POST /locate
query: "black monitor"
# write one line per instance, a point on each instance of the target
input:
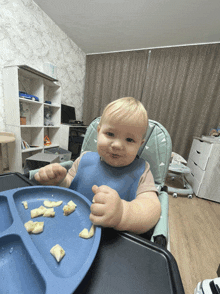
(68, 114)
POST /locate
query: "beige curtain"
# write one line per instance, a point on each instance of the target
(179, 86)
(182, 92)
(112, 76)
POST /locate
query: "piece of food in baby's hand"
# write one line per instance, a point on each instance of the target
(87, 234)
(25, 204)
(34, 227)
(49, 212)
(48, 203)
(58, 252)
(69, 208)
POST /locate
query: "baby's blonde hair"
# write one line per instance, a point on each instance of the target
(124, 110)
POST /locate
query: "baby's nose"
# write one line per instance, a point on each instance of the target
(117, 144)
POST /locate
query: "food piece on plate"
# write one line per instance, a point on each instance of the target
(34, 227)
(38, 211)
(25, 204)
(49, 212)
(69, 208)
(48, 203)
(38, 228)
(29, 226)
(71, 203)
(87, 234)
(58, 252)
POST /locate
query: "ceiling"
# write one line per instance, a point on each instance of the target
(98, 26)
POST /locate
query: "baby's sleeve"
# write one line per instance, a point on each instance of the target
(146, 182)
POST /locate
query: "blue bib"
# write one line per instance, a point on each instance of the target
(93, 171)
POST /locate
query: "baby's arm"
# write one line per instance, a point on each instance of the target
(141, 214)
(137, 216)
(53, 174)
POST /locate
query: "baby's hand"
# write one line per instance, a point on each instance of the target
(51, 174)
(107, 207)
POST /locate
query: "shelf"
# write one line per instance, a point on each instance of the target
(52, 145)
(29, 101)
(52, 105)
(23, 78)
(54, 114)
(31, 70)
(31, 149)
(52, 93)
(32, 110)
(51, 127)
(30, 126)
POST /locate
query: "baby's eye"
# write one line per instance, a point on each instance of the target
(129, 140)
(110, 134)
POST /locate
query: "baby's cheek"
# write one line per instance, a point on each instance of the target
(132, 152)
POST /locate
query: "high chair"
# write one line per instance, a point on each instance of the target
(156, 150)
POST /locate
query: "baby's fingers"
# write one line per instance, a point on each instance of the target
(97, 209)
(95, 189)
(59, 172)
(100, 198)
(97, 220)
(50, 174)
(43, 176)
(40, 175)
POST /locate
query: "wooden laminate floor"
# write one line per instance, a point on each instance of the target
(195, 239)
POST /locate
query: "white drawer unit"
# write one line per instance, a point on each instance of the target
(200, 152)
(196, 175)
(204, 162)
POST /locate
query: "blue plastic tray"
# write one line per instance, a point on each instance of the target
(26, 264)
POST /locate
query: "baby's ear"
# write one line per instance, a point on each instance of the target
(142, 142)
(98, 128)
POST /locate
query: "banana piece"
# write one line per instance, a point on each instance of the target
(25, 204)
(38, 211)
(34, 227)
(48, 203)
(58, 252)
(49, 212)
(69, 208)
(87, 234)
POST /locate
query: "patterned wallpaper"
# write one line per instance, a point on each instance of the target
(28, 36)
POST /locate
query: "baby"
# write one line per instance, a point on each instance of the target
(119, 184)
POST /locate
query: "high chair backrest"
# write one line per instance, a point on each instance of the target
(156, 149)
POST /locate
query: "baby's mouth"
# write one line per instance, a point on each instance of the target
(115, 155)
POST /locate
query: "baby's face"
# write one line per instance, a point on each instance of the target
(118, 143)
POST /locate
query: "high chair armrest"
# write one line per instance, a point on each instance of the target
(161, 228)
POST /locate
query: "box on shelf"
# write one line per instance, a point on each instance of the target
(22, 120)
(39, 160)
(64, 155)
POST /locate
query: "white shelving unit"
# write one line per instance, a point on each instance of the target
(23, 78)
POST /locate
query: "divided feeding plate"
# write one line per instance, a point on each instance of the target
(26, 264)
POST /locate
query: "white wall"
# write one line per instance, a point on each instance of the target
(28, 36)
